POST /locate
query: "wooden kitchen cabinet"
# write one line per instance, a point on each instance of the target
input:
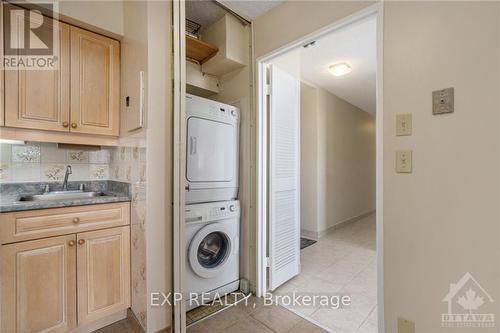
(95, 83)
(103, 273)
(32, 224)
(40, 99)
(81, 97)
(38, 285)
(73, 272)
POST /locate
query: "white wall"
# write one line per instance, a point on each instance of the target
(235, 88)
(337, 161)
(308, 160)
(442, 220)
(294, 19)
(106, 15)
(346, 161)
(159, 158)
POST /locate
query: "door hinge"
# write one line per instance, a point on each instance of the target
(267, 89)
(267, 262)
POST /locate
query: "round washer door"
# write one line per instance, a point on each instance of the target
(210, 250)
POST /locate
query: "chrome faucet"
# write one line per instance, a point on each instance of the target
(66, 175)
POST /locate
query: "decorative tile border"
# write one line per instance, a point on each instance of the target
(37, 161)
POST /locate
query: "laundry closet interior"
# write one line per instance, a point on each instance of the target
(218, 99)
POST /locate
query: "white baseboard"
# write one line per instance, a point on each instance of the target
(345, 222)
(309, 234)
(317, 235)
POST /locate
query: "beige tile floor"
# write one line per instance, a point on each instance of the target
(342, 262)
(254, 317)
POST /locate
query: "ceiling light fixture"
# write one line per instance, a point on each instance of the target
(339, 69)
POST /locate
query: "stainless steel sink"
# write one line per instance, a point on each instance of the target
(61, 195)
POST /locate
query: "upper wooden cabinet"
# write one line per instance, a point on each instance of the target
(81, 96)
(95, 83)
(39, 99)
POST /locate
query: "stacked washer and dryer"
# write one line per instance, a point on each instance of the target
(212, 209)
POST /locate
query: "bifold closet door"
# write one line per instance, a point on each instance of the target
(284, 177)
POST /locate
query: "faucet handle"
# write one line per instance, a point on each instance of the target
(46, 188)
(81, 187)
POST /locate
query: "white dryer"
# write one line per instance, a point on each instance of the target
(212, 250)
(212, 156)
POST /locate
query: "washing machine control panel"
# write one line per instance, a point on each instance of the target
(225, 209)
(212, 211)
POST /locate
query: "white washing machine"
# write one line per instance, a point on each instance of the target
(212, 249)
(212, 155)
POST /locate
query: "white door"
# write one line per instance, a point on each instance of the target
(210, 151)
(284, 177)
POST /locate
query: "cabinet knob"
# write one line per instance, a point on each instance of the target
(74, 125)
(76, 219)
(71, 243)
(65, 124)
(81, 241)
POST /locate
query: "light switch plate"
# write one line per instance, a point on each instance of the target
(403, 124)
(405, 326)
(443, 101)
(404, 161)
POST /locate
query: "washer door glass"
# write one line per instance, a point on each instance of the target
(210, 250)
(213, 249)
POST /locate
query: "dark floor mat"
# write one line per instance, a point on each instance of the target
(305, 242)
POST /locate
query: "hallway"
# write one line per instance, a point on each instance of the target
(343, 262)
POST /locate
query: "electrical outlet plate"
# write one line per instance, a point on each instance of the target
(403, 124)
(404, 161)
(443, 101)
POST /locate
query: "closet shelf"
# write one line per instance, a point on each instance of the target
(199, 50)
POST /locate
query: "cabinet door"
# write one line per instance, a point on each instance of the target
(95, 83)
(103, 273)
(39, 99)
(2, 91)
(38, 285)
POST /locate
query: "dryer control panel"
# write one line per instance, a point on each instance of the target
(203, 107)
(212, 211)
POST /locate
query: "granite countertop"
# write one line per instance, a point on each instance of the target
(11, 192)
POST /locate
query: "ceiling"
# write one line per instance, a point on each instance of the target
(250, 9)
(355, 45)
(206, 12)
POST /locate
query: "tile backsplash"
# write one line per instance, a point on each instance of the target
(36, 161)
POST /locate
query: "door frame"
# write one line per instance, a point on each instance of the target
(261, 226)
(179, 169)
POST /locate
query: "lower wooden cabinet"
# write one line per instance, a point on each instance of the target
(55, 284)
(103, 273)
(38, 285)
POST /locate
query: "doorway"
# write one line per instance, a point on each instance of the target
(319, 173)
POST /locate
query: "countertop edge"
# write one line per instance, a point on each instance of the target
(62, 204)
